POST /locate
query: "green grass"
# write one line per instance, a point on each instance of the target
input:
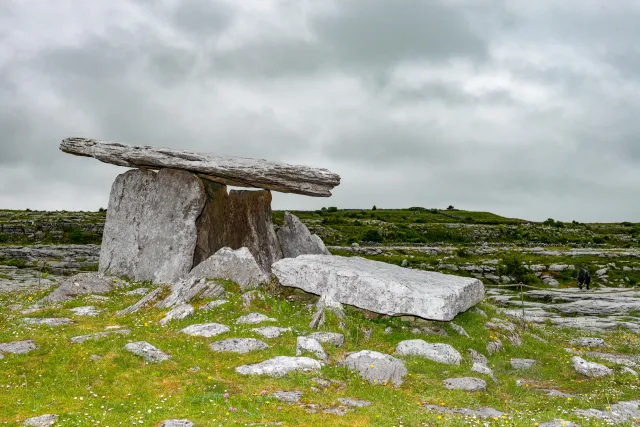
(120, 389)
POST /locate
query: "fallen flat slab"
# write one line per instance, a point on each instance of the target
(234, 171)
(381, 287)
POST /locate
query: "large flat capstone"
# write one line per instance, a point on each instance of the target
(235, 171)
(381, 287)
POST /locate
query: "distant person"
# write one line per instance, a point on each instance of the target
(584, 278)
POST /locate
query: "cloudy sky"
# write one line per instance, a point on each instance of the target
(525, 108)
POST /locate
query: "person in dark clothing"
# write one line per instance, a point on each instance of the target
(584, 278)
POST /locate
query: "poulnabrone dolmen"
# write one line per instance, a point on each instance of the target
(172, 217)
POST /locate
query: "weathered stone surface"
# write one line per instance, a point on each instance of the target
(333, 338)
(467, 384)
(287, 396)
(238, 345)
(82, 284)
(377, 368)
(280, 366)
(619, 413)
(494, 346)
(137, 291)
(207, 330)
(459, 329)
(150, 232)
(147, 351)
(238, 266)
(253, 318)
(89, 310)
(522, 363)
(587, 342)
(213, 304)
(17, 347)
(270, 331)
(381, 287)
(143, 302)
(354, 403)
(442, 353)
(47, 420)
(339, 411)
(235, 171)
(478, 357)
(559, 423)
(590, 369)
(178, 313)
(326, 302)
(295, 239)
(82, 338)
(482, 369)
(185, 290)
(48, 321)
(472, 413)
(177, 423)
(310, 345)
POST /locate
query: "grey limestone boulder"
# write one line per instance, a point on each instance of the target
(442, 353)
(82, 284)
(587, 342)
(559, 423)
(522, 363)
(310, 345)
(178, 313)
(467, 384)
(287, 396)
(47, 420)
(332, 338)
(177, 423)
(280, 366)
(238, 345)
(99, 335)
(238, 266)
(381, 287)
(590, 369)
(472, 413)
(377, 368)
(253, 318)
(17, 347)
(147, 351)
(206, 330)
(295, 239)
(354, 403)
(48, 321)
(270, 331)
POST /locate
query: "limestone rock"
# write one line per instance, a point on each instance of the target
(185, 290)
(442, 353)
(147, 351)
(377, 368)
(494, 346)
(280, 366)
(235, 171)
(82, 284)
(82, 338)
(467, 384)
(354, 403)
(213, 304)
(587, 342)
(619, 413)
(590, 369)
(295, 239)
(559, 423)
(310, 345)
(206, 330)
(459, 329)
(483, 369)
(287, 396)
(381, 287)
(239, 266)
(238, 345)
(477, 357)
(140, 304)
(48, 321)
(89, 310)
(178, 313)
(177, 423)
(471, 413)
(150, 231)
(47, 420)
(137, 291)
(332, 338)
(271, 331)
(325, 302)
(522, 363)
(253, 318)
(17, 347)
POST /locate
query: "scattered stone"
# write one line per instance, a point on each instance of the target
(559, 423)
(325, 302)
(287, 396)
(587, 342)
(17, 347)
(82, 284)
(137, 291)
(459, 329)
(238, 345)
(354, 403)
(377, 368)
(514, 339)
(628, 370)
(616, 414)
(467, 384)
(177, 423)
(271, 331)
(295, 239)
(247, 298)
(471, 413)
(82, 338)
(556, 393)
(477, 357)
(310, 345)
(47, 420)
(550, 281)
(188, 289)
(213, 304)
(522, 363)
(206, 330)
(194, 369)
(140, 304)
(388, 330)
(380, 287)
(327, 383)
(479, 311)
(239, 266)
(49, 321)
(95, 357)
(280, 366)
(147, 351)
(332, 338)
(442, 353)
(178, 313)
(85, 311)
(483, 369)
(590, 369)
(494, 346)
(339, 411)
(253, 318)
(501, 324)
(366, 333)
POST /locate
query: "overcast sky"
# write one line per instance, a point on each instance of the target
(525, 108)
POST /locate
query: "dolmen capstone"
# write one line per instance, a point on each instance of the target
(173, 211)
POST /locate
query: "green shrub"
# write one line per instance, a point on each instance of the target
(332, 209)
(511, 265)
(463, 253)
(374, 208)
(4, 238)
(372, 236)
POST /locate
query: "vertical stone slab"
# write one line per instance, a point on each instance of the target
(150, 232)
(210, 224)
(296, 239)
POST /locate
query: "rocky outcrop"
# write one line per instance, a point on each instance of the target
(280, 366)
(467, 384)
(590, 369)
(238, 266)
(235, 171)
(377, 368)
(380, 287)
(147, 351)
(295, 239)
(82, 284)
(442, 353)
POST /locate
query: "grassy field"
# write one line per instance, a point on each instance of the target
(120, 389)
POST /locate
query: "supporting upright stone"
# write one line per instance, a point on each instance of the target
(150, 231)
(296, 239)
